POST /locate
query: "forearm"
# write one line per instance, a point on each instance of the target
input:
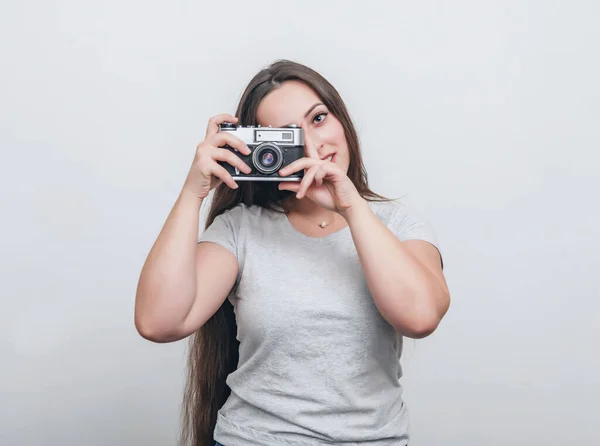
(167, 285)
(408, 295)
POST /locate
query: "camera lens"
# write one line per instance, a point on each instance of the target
(267, 158)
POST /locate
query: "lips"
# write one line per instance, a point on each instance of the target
(330, 158)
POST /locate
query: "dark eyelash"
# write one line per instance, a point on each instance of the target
(324, 113)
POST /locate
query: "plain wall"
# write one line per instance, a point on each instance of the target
(484, 115)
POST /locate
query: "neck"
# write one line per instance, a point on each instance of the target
(309, 209)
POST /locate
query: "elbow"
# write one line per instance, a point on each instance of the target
(154, 323)
(149, 331)
(154, 332)
(419, 329)
(426, 322)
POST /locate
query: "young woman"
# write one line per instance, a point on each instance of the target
(299, 293)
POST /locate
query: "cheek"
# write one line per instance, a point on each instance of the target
(334, 134)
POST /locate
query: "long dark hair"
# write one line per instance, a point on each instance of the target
(214, 349)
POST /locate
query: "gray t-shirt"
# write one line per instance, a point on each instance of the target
(318, 363)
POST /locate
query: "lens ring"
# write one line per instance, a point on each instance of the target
(263, 151)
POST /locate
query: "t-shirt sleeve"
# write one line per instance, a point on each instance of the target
(224, 231)
(409, 224)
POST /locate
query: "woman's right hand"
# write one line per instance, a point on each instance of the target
(205, 174)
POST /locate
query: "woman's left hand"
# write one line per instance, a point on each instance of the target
(324, 182)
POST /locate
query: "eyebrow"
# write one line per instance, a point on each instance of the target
(312, 108)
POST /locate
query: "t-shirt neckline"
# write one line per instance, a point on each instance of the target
(290, 229)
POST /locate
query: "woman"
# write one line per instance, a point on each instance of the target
(299, 293)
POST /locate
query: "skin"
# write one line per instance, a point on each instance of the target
(405, 278)
(296, 103)
(183, 283)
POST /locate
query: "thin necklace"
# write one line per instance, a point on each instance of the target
(323, 224)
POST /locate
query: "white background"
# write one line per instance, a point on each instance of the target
(484, 115)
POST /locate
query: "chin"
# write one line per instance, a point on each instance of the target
(342, 164)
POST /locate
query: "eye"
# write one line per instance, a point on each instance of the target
(319, 117)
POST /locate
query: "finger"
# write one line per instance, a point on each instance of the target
(296, 166)
(329, 170)
(229, 157)
(307, 181)
(320, 175)
(288, 185)
(223, 175)
(310, 148)
(213, 123)
(229, 139)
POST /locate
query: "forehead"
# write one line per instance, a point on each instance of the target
(286, 104)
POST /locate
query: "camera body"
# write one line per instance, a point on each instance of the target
(271, 150)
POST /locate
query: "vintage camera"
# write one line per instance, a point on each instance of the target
(271, 150)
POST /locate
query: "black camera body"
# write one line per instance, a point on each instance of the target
(271, 150)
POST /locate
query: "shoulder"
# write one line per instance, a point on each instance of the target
(394, 211)
(384, 209)
(404, 220)
(242, 215)
(407, 223)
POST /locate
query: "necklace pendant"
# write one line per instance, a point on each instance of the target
(323, 224)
